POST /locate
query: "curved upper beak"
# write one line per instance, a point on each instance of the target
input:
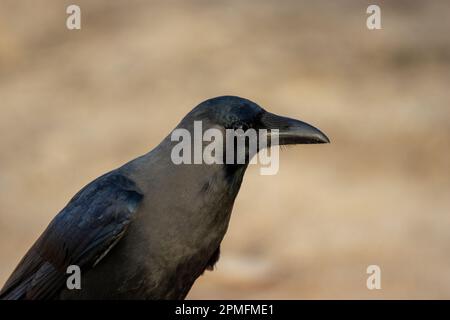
(291, 131)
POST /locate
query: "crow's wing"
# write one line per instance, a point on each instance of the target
(81, 234)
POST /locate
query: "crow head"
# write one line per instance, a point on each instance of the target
(231, 112)
(244, 129)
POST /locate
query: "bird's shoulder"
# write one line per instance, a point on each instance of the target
(93, 221)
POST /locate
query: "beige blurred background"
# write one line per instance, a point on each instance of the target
(75, 104)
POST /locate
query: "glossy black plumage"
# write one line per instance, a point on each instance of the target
(150, 228)
(91, 223)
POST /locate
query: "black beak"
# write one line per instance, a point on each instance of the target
(292, 131)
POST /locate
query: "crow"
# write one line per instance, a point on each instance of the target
(150, 228)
